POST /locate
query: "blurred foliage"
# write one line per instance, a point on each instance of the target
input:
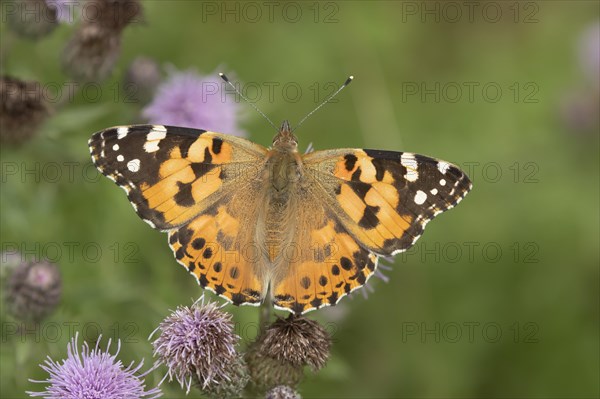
(522, 322)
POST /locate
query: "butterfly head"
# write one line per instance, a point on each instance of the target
(285, 140)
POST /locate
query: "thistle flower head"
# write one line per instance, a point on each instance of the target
(22, 109)
(282, 392)
(31, 18)
(33, 290)
(93, 374)
(267, 373)
(191, 100)
(197, 345)
(92, 52)
(113, 15)
(298, 341)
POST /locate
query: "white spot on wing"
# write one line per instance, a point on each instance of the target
(120, 158)
(116, 147)
(410, 163)
(434, 191)
(420, 197)
(122, 132)
(133, 165)
(157, 134)
(443, 166)
(151, 146)
(442, 182)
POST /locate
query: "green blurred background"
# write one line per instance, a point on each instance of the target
(500, 296)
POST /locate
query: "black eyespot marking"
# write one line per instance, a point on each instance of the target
(238, 298)
(379, 168)
(305, 282)
(361, 278)
(198, 243)
(333, 298)
(297, 307)
(184, 195)
(369, 218)
(323, 281)
(184, 147)
(207, 156)
(335, 270)
(219, 289)
(347, 288)
(216, 146)
(185, 235)
(218, 267)
(234, 272)
(200, 168)
(207, 253)
(180, 253)
(346, 263)
(350, 161)
(203, 280)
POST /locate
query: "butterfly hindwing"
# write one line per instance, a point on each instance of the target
(324, 263)
(385, 198)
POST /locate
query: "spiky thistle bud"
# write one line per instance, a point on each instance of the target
(94, 49)
(113, 15)
(91, 53)
(267, 373)
(297, 340)
(280, 353)
(33, 290)
(30, 18)
(22, 109)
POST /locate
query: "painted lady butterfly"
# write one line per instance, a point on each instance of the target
(250, 221)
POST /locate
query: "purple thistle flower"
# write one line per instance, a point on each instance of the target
(33, 290)
(197, 345)
(190, 100)
(93, 374)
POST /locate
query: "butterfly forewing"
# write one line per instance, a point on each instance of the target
(171, 174)
(386, 198)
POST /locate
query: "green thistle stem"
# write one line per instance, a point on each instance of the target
(266, 311)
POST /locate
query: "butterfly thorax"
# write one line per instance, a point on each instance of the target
(283, 169)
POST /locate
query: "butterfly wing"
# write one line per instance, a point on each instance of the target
(199, 186)
(383, 198)
(322, 262)
(356, 205)
(172, 174)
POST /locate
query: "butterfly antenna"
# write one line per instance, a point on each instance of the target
(346, 83)
(226, 79)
